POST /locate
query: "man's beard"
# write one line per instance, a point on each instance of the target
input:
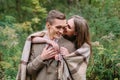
(72, 38)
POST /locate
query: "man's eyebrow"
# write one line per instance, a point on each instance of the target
(61, 26)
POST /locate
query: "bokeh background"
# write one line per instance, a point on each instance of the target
(20, 18)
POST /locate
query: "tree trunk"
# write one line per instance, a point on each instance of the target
(18, 9)
(89, 1)
(70, 2)
(0, 56)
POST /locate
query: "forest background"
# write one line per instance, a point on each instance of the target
(20, 18)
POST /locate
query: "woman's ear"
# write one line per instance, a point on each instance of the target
(47, 25)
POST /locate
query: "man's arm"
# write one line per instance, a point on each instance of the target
(39, 62)
(35, 63)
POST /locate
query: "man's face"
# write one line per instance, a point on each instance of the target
(70, 29)
(57, 28)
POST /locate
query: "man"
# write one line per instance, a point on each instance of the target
(41, 64)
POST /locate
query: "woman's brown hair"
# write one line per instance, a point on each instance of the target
(82, 31)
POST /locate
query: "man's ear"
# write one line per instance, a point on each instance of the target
(47, 25)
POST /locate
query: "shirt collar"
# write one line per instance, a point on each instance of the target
(47, 37)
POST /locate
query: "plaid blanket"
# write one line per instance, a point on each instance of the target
(71, 67)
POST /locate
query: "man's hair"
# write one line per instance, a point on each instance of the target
(54, 14)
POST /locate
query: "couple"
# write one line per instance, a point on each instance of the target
(59, 53)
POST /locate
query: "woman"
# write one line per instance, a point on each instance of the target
(77, 31)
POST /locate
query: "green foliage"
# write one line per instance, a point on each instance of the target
(105, 60)
(106, 57)
(54, 4)
(22, 10)
(8, 50)
(12, 41)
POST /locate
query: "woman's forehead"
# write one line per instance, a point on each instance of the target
(70, 22)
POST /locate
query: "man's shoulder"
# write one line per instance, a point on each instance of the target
(37, 34)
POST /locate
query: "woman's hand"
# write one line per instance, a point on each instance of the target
(64, 51)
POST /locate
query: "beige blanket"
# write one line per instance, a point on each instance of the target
(71, 67)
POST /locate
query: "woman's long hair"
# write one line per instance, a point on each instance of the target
(81, 31)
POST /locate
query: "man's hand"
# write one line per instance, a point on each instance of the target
(48, 53)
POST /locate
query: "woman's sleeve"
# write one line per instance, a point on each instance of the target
(80, 55)
(77, 62)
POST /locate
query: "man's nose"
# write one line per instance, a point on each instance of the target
(61, 31)
(65, 30)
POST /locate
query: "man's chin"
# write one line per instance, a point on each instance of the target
(58, 37)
